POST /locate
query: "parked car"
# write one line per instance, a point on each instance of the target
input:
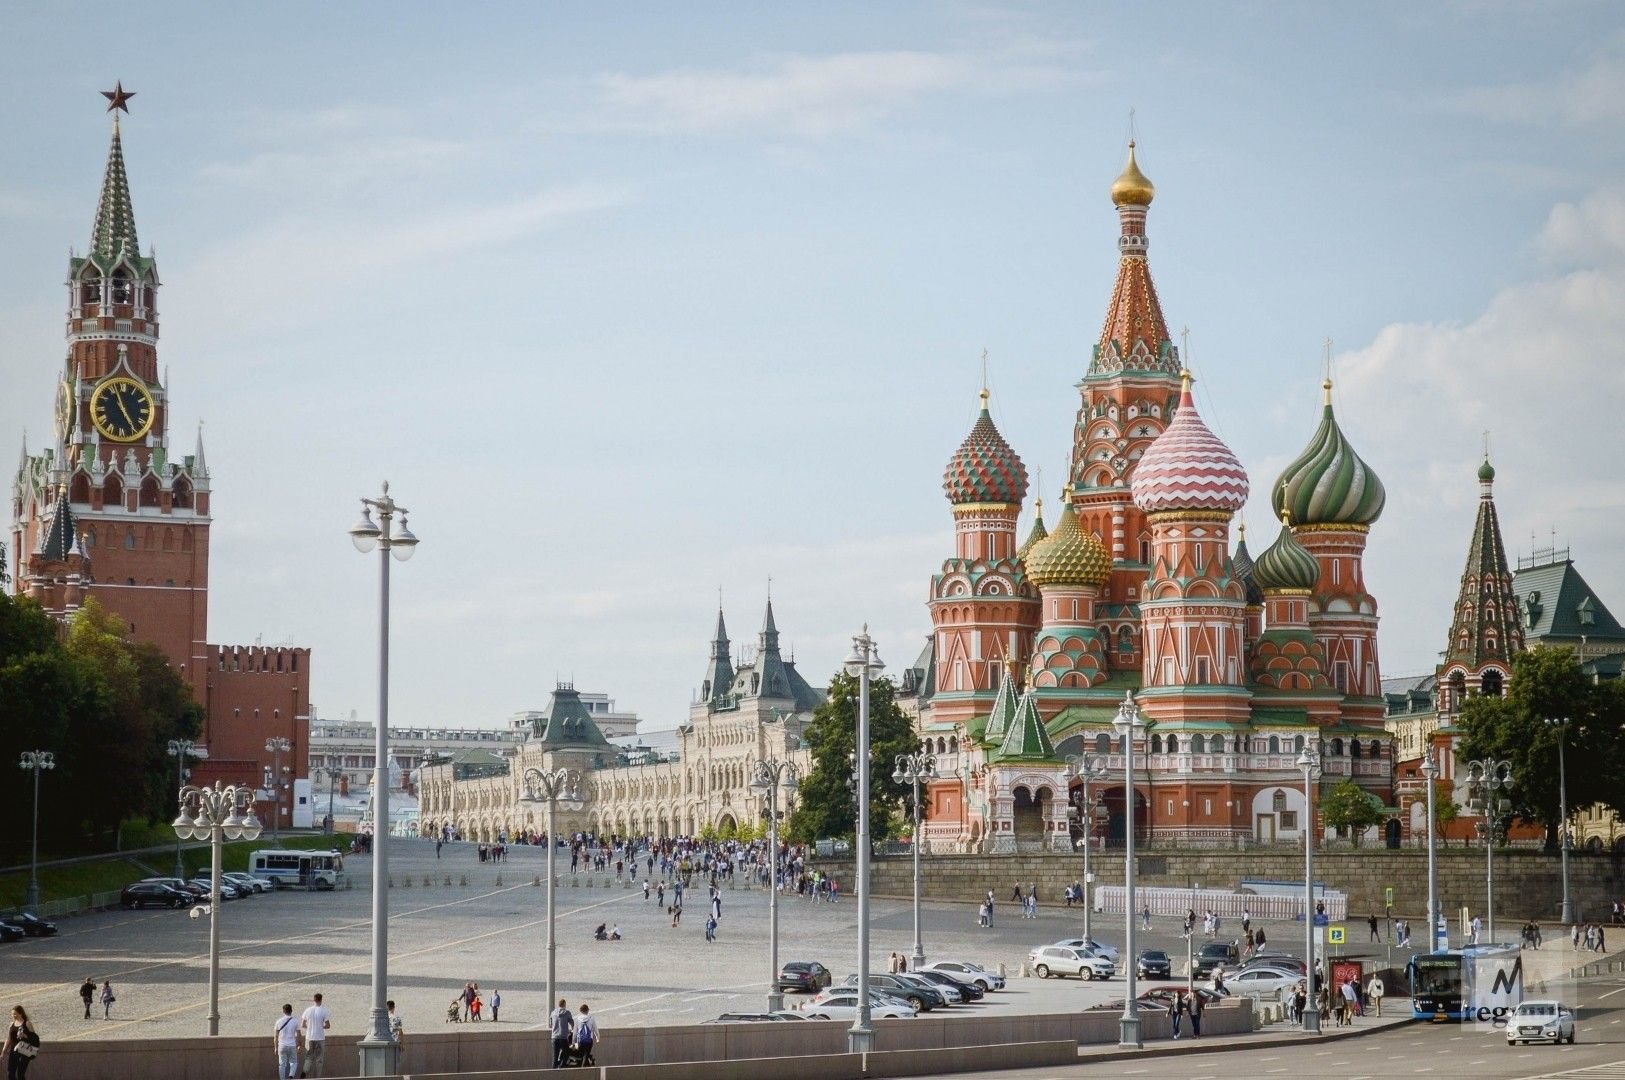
(966, 972)
(1540, 1020)
(1276, 959)
(1262, 981)
(32, 925)
(1141, 1004)
(1215, 954)
(1161, 995)
(1154, 964)
(1050, 960)
(253, 883)
(11, 932)
(842, 1004)
(968, 991)
(808, 975)
(228, 889)
(198, 891)
(1099, 948)
(154, 894)
(755, 1018)
(922, 996)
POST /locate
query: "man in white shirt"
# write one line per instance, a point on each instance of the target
(285, 1041)
(313, 1023)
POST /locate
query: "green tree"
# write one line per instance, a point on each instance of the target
(1445, 810)
(825, 805)
(1347, 806)
(1547, 683)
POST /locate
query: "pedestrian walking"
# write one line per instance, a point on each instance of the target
(22, 1044)
(1476, 928)
(586, 1035)
(563, 1024)
(496, 1004)
(314, 1023)
(646, 888)
(1145, 916)
(107, 999)
(711, 929)
(1372, 923)
(467, 1000)
(285, 1044)
(1194, 1004)
(1374, 990)
(87, 993)
(397, 1031)
(1176, 1010)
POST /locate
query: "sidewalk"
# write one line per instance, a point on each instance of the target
(1396, 1013)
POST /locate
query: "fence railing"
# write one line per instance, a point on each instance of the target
(1222, 902)
(73, 905)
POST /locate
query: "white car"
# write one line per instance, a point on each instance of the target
(1261, 982)
(841, 1003)
(1099, 948)
(1541, 1020)
(1050, 960)
(246, 881)
(966, 972)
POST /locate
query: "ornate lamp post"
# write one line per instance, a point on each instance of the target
(915, 769)
(864, 663)
(1430, 770)
(216, 814)
(554, 788)
(37, 761)
(276, 746)
(180, 750)
(1561, 723)
(380, 1055)
(773, 777)
(1088, 768)
(1129, 724)
(1309, 762)
(1490, 776)
(331, 774)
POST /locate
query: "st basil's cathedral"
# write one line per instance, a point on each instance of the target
(1235, 662)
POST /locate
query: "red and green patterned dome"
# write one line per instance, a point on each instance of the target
(985, 469)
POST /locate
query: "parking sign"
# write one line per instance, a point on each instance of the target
(1335, 936)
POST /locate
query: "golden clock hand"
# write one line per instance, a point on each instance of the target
(128, 419)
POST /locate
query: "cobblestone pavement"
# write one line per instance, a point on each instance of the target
(284, 946)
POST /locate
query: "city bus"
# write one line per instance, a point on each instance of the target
(297, 869)
(1445, 984)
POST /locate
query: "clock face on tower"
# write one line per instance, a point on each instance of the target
(64, 408)
(121, 408)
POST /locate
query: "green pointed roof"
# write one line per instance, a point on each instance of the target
(1487, 624)
(567, 722)
(1004, 711)
(1038, 531)
(1026, 740)
(1286, 564)
(114, 231)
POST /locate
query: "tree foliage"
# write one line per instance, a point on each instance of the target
(825, 805)
(1547, 683)
(1347, 806)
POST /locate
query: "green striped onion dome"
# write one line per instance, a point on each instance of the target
(1068, 556)
(1328, 484)
(985, 469)
(1285, 564)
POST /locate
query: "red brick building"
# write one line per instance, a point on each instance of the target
(110, 510)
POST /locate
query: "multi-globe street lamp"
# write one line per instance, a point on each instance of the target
(1490, 776)
(772, 778)
(1087, 768)
(863, 663)
(379, 1052)
(1309, 762)
(1129, 724)
(553, 787)
(216, 814)
(276, 746)
(916, 769)
(1561, 723)
(36, 761)
(180, 750)
(331, 775)
(1430, 771)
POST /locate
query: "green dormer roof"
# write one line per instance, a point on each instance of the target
(1004, 712)
(1026, 740)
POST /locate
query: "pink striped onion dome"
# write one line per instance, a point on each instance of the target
(1188, 467)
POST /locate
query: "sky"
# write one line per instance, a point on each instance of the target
(631, 304)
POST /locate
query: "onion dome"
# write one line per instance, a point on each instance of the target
(1188, 467)
(1038, 531)
(1242, 560)
(1132, 188)
(1328, 484)
(1068, 556)
(985, 469)
(1286, 564)
(1486, 472)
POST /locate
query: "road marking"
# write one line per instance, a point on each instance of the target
(1611, 993)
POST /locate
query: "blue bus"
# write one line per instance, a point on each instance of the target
(1442, 982)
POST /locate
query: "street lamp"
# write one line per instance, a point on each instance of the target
(1489, 776)
(864, 663)
(1129, 723)
(38, 761)
(180, 750)
(559, 786)
(772, 776)
(1430, 770)
(332, 776)
(1088, 768)
(1309, 762)
(276, 747)
(915, 769)
(216, 814)
(380, 1054)
(1562, 726)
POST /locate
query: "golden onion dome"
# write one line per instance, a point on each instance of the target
(1068, 556)
(1132, 188)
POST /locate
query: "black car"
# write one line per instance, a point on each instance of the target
(1215, 954)
(968, 992)
(154, 894)
(808, 975)
(1154, 964)
(8, 932)
(32, 925)
(917, 995)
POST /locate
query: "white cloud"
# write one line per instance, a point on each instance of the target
(1585, 97)
(1590, 231)
(374, 159)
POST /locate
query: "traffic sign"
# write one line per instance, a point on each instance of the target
(1335, 935)
(1388, 897)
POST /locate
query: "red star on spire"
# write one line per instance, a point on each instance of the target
(117, 97)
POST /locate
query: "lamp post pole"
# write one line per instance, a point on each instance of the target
(37, 761)
(1490, 775)
(276, 746)
(216, 814)
(1087, 768)
(913, 769)
(379, 1053)
(1430, 770)
(863, 663)
(772, 775)
(180, 750)
(1309, 762)
(552, 787)
(1128, 724)
(332, 778)
(1562, 725)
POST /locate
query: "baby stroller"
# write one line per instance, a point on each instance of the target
(577, 1057)
(454, 1012)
